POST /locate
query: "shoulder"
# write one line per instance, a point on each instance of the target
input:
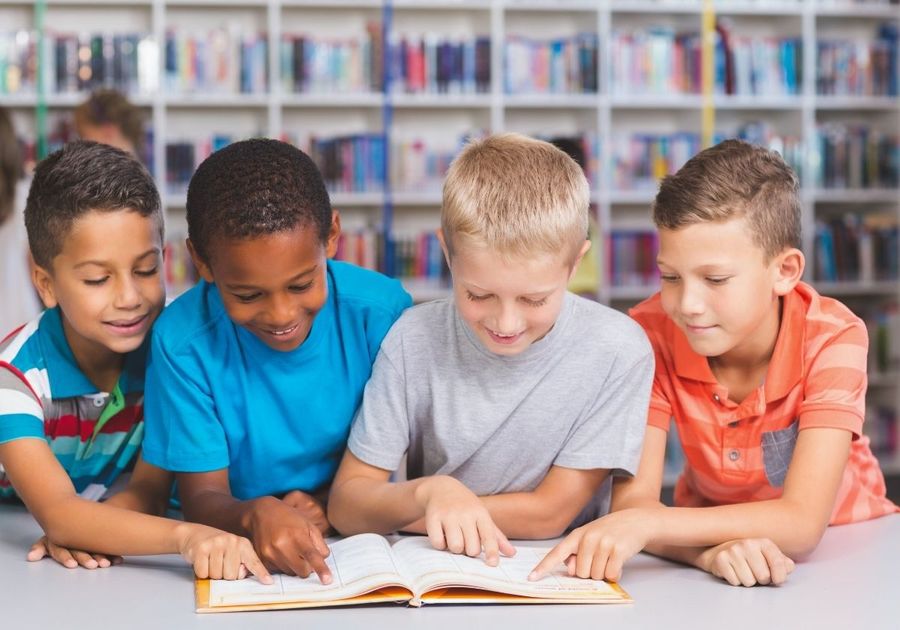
(22, 356)
(190, 318)
(824, 320)
(609, 329)
(421, 325)
(358, 288)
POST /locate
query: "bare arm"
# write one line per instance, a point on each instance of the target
(147, 491)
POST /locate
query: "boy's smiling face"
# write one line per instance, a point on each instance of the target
(509, 303)
(720, 290)
(273, 285)
(108, 283)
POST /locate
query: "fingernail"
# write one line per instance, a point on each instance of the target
(532, 576)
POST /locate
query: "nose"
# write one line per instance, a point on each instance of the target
(127, 296)
(281, 310)
(691, 299)
(508, 320)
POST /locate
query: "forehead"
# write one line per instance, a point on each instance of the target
(709, 243)
(259, 260)
(483, 268)
(109, 233)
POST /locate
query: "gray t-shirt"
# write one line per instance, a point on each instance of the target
(577, 398)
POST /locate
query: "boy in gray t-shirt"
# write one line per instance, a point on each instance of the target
(514, 400)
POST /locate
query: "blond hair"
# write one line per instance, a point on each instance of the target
(517, 196)
(735, 179)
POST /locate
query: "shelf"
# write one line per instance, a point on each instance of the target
(552, 101)
(632, 294)
(476, 5)
(426, 290)
(63, 100)
(350, 99)
(525, 6)
(871, 103)
(412, 198)
(214, 101)
(656, 101)
(443, 101)
(342, 200)
(630, 197)
(730, 102)
(856, 195)
(859, 11)
(851, 289)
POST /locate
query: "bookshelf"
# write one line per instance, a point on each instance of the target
(417, 121)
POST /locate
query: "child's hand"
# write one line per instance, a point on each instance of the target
(747, 562)
(309, 508)
(70, 558)
(287, 541)
(599, 549)
(456, 520)
(218, 555)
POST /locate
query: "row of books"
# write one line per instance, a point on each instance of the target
(219, 61)
(751, 66)
(179, 272)
(883, 323)
(631, 258)
(859, 68)
(641, 160)
(184, 156)
(432, 64)
(857, 156)
(857, 248)
(332, 66)
(408, 256)
(566, 65)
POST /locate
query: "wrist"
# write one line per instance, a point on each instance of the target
(180, 534)
(428, 487)
(257, 510)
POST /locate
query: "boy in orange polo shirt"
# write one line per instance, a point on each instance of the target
(765, 381)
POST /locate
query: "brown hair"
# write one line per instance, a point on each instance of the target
(517, 196)
(10, 166)
(110, 107)
(735, 179)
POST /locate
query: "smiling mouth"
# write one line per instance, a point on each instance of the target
(129, 323)
(282, 331)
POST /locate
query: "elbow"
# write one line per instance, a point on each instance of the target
(550, 525)
(340, 518)
(803, 542)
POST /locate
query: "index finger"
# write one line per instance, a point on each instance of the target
(488, 533)
(314, 551)
(555, 557)
(250, 560)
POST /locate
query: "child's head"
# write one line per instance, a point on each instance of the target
(108, 117)
(10, 166)
(261, 227)
(514, 226)
(729, 226)
(95, 230)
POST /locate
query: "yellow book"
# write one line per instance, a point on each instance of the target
(367, 569)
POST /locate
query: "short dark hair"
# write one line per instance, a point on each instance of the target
(10, 166)
(81, 177)
(735, 179)
(111, 107)
(252, 188)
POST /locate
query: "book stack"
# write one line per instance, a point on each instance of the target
(632, 258)
(332, 66)
(18, 62)
(362, 247)
(183, 157)
(220, 61)
(857, 248)
(349, 164)
(658, 61)
(565, 65)
(417, 256)
(432, 64)
(859, 68)
(856, 156)
(419, 166)
(178, 269)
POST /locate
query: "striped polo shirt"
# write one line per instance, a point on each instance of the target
(44, 395)
(740, 452)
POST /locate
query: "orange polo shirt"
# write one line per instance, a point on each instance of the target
(740, 452)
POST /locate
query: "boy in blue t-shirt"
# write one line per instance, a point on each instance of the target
(255, 374)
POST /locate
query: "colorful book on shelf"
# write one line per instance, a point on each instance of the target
(367, 569)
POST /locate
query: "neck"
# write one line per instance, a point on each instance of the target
(755, 352)
(101, 365)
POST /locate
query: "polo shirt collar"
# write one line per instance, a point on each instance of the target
(785, 368)
(66, 378)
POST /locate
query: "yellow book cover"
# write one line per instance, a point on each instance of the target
(367, 569)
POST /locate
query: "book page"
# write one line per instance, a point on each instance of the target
(427, 568)
(358, 564)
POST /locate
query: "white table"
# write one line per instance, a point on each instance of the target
(851, 581)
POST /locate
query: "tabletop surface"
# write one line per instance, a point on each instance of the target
(851, 580)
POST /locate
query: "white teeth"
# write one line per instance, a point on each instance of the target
(279, 333)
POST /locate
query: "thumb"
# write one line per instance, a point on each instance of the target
(39, 549)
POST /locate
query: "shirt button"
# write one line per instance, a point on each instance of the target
(734, 456)
(99, 401)
(716, 397)
(733, 424)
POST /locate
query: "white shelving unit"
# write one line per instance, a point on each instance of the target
(274, 112)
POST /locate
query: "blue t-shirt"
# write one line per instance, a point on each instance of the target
(218, 397)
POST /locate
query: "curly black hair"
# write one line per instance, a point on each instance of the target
(252, 188)
(81, 177)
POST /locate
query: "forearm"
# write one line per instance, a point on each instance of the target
(138, 501)
(684, 555)
(79, 524)
(361, 504)
(529, 515)
(791, 527)
(222, 510)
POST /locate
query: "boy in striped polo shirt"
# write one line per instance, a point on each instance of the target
(72, 380)
(764, 379)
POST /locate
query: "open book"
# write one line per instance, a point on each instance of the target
(368, 570)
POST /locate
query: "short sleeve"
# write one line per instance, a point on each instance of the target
(380, 432)
(834, 389)
(182, 429)
(381, 319)
(611, 433)
(21, 414)
(660, 412)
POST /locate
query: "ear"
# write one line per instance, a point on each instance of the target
(42, 280)
(334, 234)
(443, 241)
(201, 265)
(788, 268)
(584, 250)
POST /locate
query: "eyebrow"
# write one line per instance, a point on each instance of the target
(534, 294)
(102, 263)
(293, 279)
(717, 267)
